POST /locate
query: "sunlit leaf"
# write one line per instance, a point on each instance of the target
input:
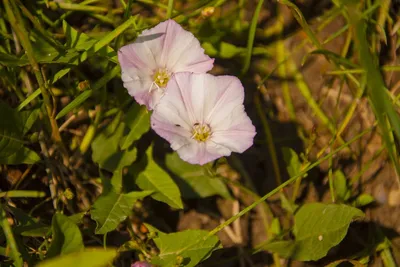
(156, 179)
(88, 258)
(293, 164)
(138, 121)
(111, 209)
(317, 228)
(343, 193)
(67, 237)
(77, 40)
(193, 180)
(106, 151)
(191, 245)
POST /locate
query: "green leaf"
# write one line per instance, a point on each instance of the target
(318, 227)
(186, 245)
(87, 258)
(292, 161)
(194, 180)
(343, 193)
(28, 118)
(285, 248)
(78, 40)
(12, 129)
(156, 179)
(363, 200)
(111, 209)
(227, 50)
(287, 204)
(67, 237)
(9, 60)
(106, 152)
(138, 121)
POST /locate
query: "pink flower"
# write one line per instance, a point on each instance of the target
(155, 56)
(141, 264)
(203, 117)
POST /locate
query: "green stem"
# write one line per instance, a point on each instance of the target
(170, 8)
(269, 138)
(250, 39)
(15, 254)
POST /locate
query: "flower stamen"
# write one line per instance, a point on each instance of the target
(161, 77)
(201, 132)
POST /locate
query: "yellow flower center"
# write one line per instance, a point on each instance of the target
(201, 132)
(161, 77)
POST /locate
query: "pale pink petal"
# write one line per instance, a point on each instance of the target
(207, 100)
(199, 153)
(239, 135)
(138, 84)
(183, 52)
(166, 46)
(174, 133)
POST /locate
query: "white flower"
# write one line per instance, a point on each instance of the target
(203, 117)
(155, 56)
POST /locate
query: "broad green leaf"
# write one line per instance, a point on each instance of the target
(292, 161)
(189, 244)
(12, 129)
(193, 180)
(106, 151)
(343, 193)
(227, 50)
(111, 209)
(88, 258)
(138, 121)
(116, 181)
(285, 248)
(77, 218)
(363, 200)
(77, 40)
(318, 227)
(156, 179)
(67, 237)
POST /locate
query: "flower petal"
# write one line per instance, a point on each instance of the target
(239, 135)
(204, 99)
(166, 46)
(183, 52)
(201, 153)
